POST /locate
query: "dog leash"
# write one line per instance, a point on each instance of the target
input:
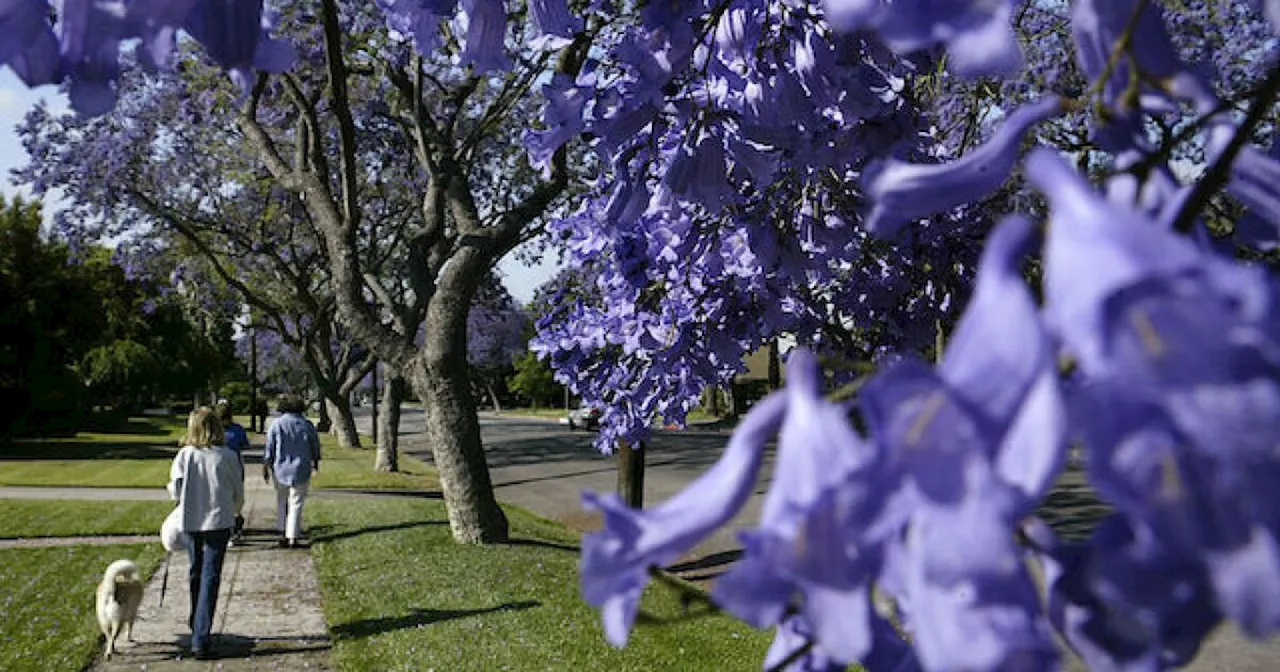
(164, 580)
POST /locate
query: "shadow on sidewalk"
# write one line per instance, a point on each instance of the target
(320, 533)
(224, 645)
(374, 626)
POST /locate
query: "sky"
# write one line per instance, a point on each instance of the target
(15, 99)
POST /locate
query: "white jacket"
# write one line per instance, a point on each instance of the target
(208, 486)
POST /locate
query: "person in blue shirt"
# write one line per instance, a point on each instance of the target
(237, 440)
(291, 455)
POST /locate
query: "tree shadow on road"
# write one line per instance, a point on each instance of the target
(419, 617)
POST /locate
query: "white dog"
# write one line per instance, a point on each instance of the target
(119, 596)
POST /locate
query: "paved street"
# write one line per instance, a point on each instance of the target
(543, 466)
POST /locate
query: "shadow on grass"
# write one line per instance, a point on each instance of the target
(707, 562)
(339, 492)
(543, 544)
(419, 617)
(321, 533)
(1072, 508)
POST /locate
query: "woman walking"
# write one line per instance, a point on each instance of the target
(237, 440)
(291, 455)
(206, 479)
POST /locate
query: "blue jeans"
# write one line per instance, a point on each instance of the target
(207, 551)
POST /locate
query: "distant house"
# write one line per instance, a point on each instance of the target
(752, 384)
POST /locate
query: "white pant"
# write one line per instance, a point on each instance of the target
(289, 501)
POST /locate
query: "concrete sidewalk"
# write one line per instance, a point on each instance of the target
(268, 617)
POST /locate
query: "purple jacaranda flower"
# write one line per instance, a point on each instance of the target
(562, 118)
(418, 19)
(803, 546)
(1184, 351)
(485, 44)
(981, 441)
(234, 34)
(993, 398)
(27, 43)
(554, 20)
(698, 173)
(229, 30)
(1123, 601)
(1098, 25)
(905, 191)
(1271, 10)
(616, 560)
(977, 33)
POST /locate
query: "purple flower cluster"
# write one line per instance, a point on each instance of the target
(731, 144)
(1172, 390)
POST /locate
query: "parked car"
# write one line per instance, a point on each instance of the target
(585, 416)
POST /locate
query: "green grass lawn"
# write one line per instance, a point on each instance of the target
(137, 454)
(47, 594)
(69, 518)
(353, 468)
(400, 595)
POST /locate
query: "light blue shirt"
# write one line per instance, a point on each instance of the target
(292, 445)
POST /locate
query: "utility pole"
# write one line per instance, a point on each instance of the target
(375, 405)
(253, 379)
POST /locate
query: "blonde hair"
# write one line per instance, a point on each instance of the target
(203, 429)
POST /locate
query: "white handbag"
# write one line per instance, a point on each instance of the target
(171, 534)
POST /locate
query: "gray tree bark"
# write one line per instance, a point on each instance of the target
(440, 377)
(343, 421)
(388, 453)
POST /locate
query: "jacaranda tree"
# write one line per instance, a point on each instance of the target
(1141, 342)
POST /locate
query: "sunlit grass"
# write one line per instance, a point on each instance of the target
(72, 518)
(399, 594)
(46, 597)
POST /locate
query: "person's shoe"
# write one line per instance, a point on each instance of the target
(283, 543)
(202, 654)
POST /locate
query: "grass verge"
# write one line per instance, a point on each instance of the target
(399, 594)
(47, 601)
(137, 454)
(28, 518)
(352, 468)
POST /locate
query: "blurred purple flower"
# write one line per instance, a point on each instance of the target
(982, 440)
(977, 33)
(1184, 349)
(905, 191)
(616, 560)
(485, 43)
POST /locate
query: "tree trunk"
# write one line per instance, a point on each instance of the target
(493, 396)
(439, 376)
(631, 473)
(388, 454)
(775, 365)
(343, 420)
(325, 424)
